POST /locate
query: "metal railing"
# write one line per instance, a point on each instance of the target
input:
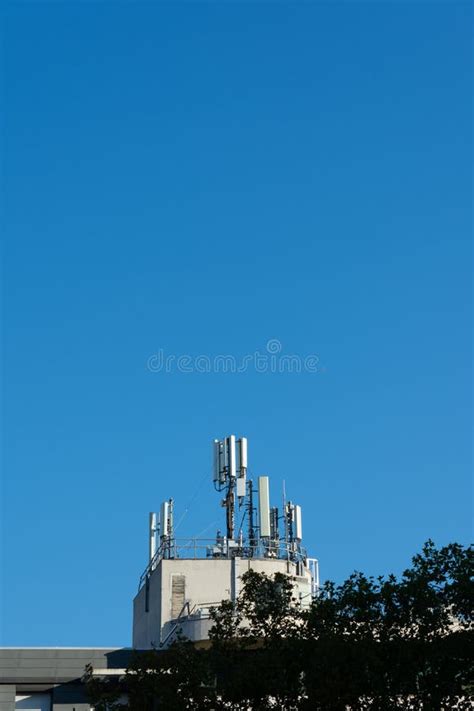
(205, 548)
(194, 614)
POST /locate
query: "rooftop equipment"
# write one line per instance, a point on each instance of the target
(298, 524)
(264, 506)
(153, 528)
(185, 577)
(263, 539)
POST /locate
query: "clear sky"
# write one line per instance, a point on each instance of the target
(203, 178)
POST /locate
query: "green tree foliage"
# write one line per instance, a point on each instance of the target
(370, 643)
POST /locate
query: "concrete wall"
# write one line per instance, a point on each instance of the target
(147, 617)
(55, 665)
(207, 581)
(53, 671)
(7, 697)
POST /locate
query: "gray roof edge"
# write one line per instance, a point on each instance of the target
(109, 649)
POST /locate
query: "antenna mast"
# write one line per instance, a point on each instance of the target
(251, 519)
(230, 472)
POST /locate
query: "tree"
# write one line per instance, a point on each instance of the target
(386, 643)
(370, 643)
(176, 679)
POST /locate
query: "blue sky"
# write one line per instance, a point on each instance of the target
(202, 178)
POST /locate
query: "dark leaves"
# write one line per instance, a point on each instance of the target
(370, 643)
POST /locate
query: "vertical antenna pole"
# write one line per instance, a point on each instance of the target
(152, 536)
(171, 541)
(285, 518)
(251, 519)
(230, 506)
(229, 445)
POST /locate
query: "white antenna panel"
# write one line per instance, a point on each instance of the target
(164, 519)
(298, 523)
(152, 538)
(241, 486)
(225, 455)
(264, 506)
(219, 461)
(170, 517)
(222, 462)
(216, 445)
(242, 454)
(231, 456)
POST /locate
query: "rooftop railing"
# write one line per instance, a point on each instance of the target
(222, 548)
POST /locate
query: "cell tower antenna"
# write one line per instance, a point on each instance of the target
(231, 475)
(183, 574)
(230, 471)
(264, 507)
(230, 507)
(166, 528)
(251, 518)
(153, 530)
(285, 521)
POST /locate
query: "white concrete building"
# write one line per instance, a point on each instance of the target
(184, 579)
(179, 593)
